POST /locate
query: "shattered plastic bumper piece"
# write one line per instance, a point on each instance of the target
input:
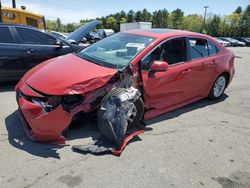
(102, 145)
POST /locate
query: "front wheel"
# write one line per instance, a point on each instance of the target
(218, 88)
(117, 114)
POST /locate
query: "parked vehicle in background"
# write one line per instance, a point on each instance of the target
(23, 47)
(234, 42)
(222, 42)
(19, 16)
(105, 32)
(58, 34)
(166, 68)
(92, 37)
(243, 39)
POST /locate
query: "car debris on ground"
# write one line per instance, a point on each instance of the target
(113, 122)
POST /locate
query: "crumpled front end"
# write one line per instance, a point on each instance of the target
(47, 106)
(45, 117)
(38, 117)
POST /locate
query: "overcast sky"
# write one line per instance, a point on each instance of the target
(74, 10)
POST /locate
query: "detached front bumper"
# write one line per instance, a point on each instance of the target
(40, 125)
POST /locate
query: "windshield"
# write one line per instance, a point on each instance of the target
(116, 51)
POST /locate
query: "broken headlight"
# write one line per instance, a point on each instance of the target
(49, 103)
(69, 102)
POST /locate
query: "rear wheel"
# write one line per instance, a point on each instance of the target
(219, 87)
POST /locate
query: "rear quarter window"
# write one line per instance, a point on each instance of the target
(213, 49)
(198, 48)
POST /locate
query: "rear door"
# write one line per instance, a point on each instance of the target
(38, 46)
(202, 68)
(11, 62)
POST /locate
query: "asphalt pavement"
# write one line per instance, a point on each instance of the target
(205, 144)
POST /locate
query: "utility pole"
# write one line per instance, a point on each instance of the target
(204, 21)
(14, 3)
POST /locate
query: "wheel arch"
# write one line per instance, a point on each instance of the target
(227, 77)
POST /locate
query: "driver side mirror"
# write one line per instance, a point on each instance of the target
(159, 66)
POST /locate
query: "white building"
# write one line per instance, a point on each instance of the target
(135, 25)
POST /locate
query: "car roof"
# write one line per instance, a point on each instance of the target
(24, 26)
(164, 33)
(18, 25)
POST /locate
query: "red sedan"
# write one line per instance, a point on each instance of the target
(160, 69)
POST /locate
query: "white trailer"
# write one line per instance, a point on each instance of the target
(135, 25)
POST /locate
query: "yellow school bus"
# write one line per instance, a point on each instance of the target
(19, 16)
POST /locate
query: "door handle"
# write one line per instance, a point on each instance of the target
(186, 71)
(29, 51)
(213, 63)
(206, 63)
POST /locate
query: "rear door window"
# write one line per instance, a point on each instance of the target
(198, 48)
(5, 35)
(29, 36)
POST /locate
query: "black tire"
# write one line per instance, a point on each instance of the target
(212, 94)
(139, 106)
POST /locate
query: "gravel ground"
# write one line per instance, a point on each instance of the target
(205, 144)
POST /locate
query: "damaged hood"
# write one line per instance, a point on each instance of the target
(67, 74)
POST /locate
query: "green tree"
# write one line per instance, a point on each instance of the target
(245, 22)
(123, 14)
(213, 27)
(70, 27)
(111, 23)
(235, 24)
(177, 18)
(157, 19)
(138, 16)
(146, 16)
(51, 25)
(123, 20)
(238, 10)
(165, 18)
(233, 21)
(192, 22)
(58, 24)
(131, 16)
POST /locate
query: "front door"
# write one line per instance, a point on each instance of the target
(169, 88)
